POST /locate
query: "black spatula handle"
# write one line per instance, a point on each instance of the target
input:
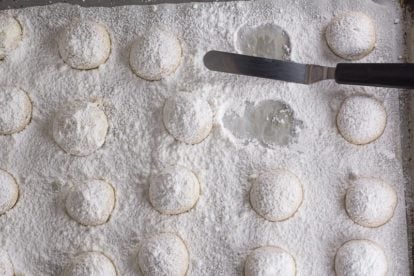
(399, 75)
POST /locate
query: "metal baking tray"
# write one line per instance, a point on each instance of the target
(406, 97)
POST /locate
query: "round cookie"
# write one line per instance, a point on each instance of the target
(370, 202)
(351, 35)
(84, 44)
(187, 117)
(361, 119)
(163, 254)
(155, 55)
(90, 264)
(6, 266)
(91, 203)
(15, 110)
(270, 261)
(276, 195)
(9, 191)
(80, 128)
(10, 34)
(173, 191)
(360, 258)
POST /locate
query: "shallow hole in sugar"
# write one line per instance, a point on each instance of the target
(270, 122)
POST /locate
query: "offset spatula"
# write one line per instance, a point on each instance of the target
(398, 75)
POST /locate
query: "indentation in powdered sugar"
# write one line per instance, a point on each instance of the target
(271, 122)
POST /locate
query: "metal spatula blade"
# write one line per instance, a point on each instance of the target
(397, 75)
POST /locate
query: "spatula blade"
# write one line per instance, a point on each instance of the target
(257, 67)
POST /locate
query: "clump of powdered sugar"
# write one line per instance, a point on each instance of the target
(351, 35)
(360, 258)
(10, 34)
(155, 54)
(187, 117)
(92, 264)
(270, 260)
(80, 128)
(15, 110)
(361, 119)
(9, 191)
(276, 195)
(84, 44)
(173, 191)
(163, 254)
(6, 266)
(370, 202)
(91, 203)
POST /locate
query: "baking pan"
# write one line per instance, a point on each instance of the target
(406, 97)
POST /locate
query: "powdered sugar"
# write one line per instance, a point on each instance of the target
(276, 195)
(163, 255)
(173, 191)
(84, 44)
(370, 202)
(10, 35)
(91, 203)
(351, 35)
(270, 261)
(9, 191)
(360, 258)
(80, 128)
(155, 54)
(361, 119)
(222, 229)
(90, 264)
(187, 117)
(6, 267)
(16, 110)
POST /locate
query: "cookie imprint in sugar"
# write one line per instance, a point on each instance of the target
(90, 203)
(6, 266)
(173, 191)
(187, 117)
(370, 202)
(80, 128)
(84, 44)
(351, 35)
(276, 195)
(266, 40)
(10, 34)
(270, 261)
(155, 54)
(360, 258)
(361, 119)
(90, 264)
(163, 255)
(9, 191)
(15, 110)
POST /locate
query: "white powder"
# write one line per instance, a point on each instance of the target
(370, 202)
(91, 203)
(10, 35)
(351, 35)
(270, 261)
(360, 258)
(173, 191)
(80, 128)
(84, 44)
(187, 117)
(9, 191)
(361, 119)
(90, 264)
(16, 110)
(6, 267)
(163, 255)
(222, 229)
(155, 54)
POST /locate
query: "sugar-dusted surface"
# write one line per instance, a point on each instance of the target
(222, 229)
